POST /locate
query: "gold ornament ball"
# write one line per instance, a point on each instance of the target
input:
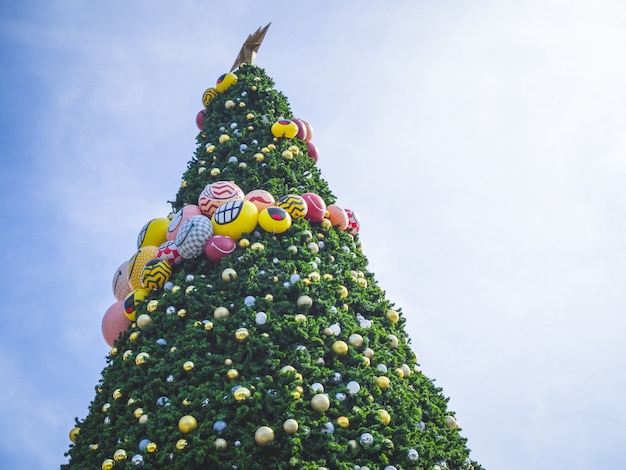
(313, 247)
(352, 444)
(181, 444)
(228, 362)
(399, 372)
(292, 249)
(287, 368)
(304, 302)
(314, 276)
(117, 394)
(188, 365)
(320, 403)
(141, 358)
(187, 423)
(152, 305)
(362, 282)
(232, 374)
(343, 422)
(134, 336)
(264, 435)
(406, 369)
(392, 316)
(182, 313)
(294, 149)
(242, 334)
(221, 312)
(229, 274)
(384, 416)
(452, 423)
(105, 407)
(355, 340)
(138, 413)
(113, 351)
(229, 104)
(241, 394)
(290, 426)
(300, 318)
(108, 464)
(244, 243)
(74, 434)
(326, 224)
(143, 419)
(287, 155)
(224, 138)
(220, 443)
(343, 292)
(257, 246)
(366, 361)
(119, 455)
(368, 352)
(383, 382)
(393, 341)
(151, 447)
(340, 348)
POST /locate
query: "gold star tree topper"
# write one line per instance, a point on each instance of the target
(250, 47)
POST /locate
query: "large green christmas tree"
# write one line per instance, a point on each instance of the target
(251, 335)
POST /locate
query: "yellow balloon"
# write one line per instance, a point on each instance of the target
(74, 434)
(153, 233)
(234, 218)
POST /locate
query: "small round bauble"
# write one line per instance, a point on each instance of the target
(320, 402)
(208, 95)
(355, 340)
(312, 151)
(294, 204)
(151, 447)
(218, 247)
(143, 321)
(338, 216)
(200, 118)
(225, 81)
(274, 220)
(121, 288)
(234, 218)
(193, 235)
(354, 224)
(260, 198)
(304, 302)
(108, 464)
(153, 233)
(229, 274)
(168, 251)
(188, 365)
(340, 348)
(181, 444)
(290, 426)
(114, 322)
(137, 263)
(215, 194)
(183, 214)
(241, 394)
(343, 422)
(74, 434)
(232, 374)
(264, 435)
(132, 301)
(221, 312)
(452, 423)
(187, 424)
(141, 358)
(155, 274)
(301, 129)
(284, 128)
(384, 416)
(242, 335)
(316, 207)
(393, 341)
(220, 443)
(383, 382)
(392, 316)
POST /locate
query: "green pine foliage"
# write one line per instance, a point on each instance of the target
(197, 364)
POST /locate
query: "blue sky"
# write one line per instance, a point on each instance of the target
(501, 124)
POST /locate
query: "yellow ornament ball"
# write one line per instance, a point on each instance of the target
(187, 424)
(138, 262)
(108, 464)
(220, 443)
(234, 218)
(153, 233)
(229, 274)
(392, 316)
(284, 128)
(208, 95)
(144, 320)
(242, 334)
(232, 374)
(340, 348)
(383, 382)
(120, 455)
(290, 426)
(343, 422)
(274, 219)
(151, 447)
(320, 402)
(264, 435)
(141, 358)
(188, 365)
(74, 434)
(181, 444)
(221, 312)
(225, 81)
(241, 394)
(384, 416)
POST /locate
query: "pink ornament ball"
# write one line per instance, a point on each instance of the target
(312, 151)
(316, 207)
(114, 322)
(218, 247)
(121, 288)
(260, 198)
(301, 129)
(216, 194)
(183, 214)
(200, 118)
(169, 252)
(354, 225)
(338, 216)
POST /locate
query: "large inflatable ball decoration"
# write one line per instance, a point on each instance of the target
(193, 235)
(183, 214)
(216, 194)
(234, 218)
(153, 233)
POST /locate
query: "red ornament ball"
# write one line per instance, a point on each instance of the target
(218, 247)
(301, 129)
(316, 205)
(312, 151)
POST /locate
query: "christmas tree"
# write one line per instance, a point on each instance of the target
(248, 332)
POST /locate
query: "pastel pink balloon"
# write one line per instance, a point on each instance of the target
(316, 205)
(114, 322)
(312, 151)
(301, 129)
(177, 221)
(309, 130)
